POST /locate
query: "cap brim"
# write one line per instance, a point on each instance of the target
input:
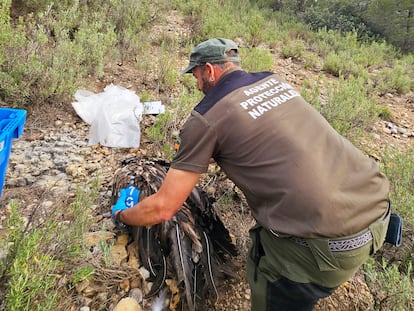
(188, 69)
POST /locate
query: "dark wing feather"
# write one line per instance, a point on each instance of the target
(207, 218)
(192, 247)
(152, 257)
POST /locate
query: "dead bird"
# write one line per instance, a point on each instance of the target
(192, 250)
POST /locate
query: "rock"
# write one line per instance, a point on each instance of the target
(102, 297)
(376, 136)
(118, 254)
(136, 283)
(144, 273)
(89, 291)
(125, 285)
(82, 286)
(393, 129)
(136, 294)
(128, 304)
(85, 301)
(122, 240)
(133, 260)
(94, 238)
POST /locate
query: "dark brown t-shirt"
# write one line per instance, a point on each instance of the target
(299, 176)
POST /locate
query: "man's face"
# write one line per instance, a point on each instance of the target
(203, 82)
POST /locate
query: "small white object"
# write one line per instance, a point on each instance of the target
(154, 107)
(160, 301)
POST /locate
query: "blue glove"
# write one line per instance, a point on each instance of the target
(128, 197)
(132, 196)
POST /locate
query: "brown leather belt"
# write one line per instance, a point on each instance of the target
(341, 245)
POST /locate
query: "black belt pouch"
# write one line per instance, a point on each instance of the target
(394, 231)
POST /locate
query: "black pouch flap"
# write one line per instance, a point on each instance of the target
(394, 231)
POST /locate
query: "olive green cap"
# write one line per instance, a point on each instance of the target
(212, 51)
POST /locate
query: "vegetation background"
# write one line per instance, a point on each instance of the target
(357, 52)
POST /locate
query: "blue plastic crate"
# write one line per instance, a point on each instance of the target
(11, 126)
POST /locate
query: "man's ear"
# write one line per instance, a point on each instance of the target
(211, 72)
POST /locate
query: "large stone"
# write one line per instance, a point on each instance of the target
(127, 304)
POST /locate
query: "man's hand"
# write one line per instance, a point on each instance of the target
(128, 197)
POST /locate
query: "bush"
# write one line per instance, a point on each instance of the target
(47, 57)
(392, 290)
(343, 64)
(36, 251)
(398, 167)
(293, 49)
(50, 51)
(394, 80)
(349, 109)
(256, 59)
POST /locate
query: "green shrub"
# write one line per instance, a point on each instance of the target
(82, 273)
(394, 80)
(33, 6)
(390, 279)
(167, 67)
(349, 109)
(392, 289)
(36, 252)
(47, 58)
(164, 131)
(311, 61)
(293, 49)
(311, 92)
(398, 167)
(256, 59)
(12, 43)
(255, 25)
(51, 51)
(384, 113)
(341, 16)
(131, 19)
(334, 64)
(374, 55)
(343, 64)
(30, 277)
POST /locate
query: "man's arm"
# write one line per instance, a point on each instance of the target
(162, 205)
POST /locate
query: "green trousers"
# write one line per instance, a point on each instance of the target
(303, 274)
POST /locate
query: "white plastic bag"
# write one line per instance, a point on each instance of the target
(114, 116)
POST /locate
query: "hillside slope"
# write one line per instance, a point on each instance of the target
(55, 139)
